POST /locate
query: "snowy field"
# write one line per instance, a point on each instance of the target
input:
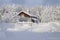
(31, 27)
(30, 31)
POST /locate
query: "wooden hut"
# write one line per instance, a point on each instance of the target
(26, 17)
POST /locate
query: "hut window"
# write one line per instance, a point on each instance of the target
(32, 20)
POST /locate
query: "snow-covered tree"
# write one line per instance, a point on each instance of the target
(8, 13)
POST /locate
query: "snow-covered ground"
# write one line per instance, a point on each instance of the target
(30, 31)
(31, 27)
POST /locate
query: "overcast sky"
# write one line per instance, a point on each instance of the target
(30, 3)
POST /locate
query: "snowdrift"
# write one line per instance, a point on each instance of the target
(31, 27)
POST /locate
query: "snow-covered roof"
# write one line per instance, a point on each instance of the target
(31, 14)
